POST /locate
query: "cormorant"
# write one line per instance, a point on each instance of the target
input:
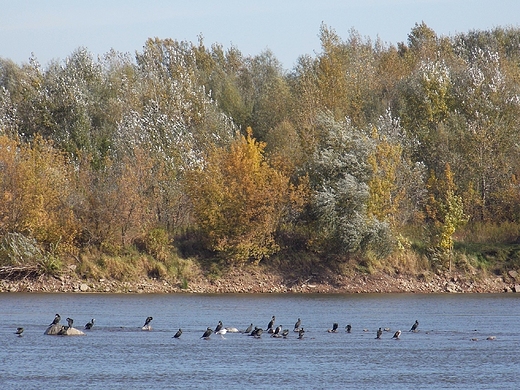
(258, 333)
(147, 325)
(249, 329)
(19, 332)
(379, 333)
(90, 324)
(297, 325)
(414, 326)
(285, 333)
(178, 334)
(348, 328)
(219, 326)
(70, 322)
(334, 328)
(397, 335)
(276, 332)
(207, 333)
(301, 332)
(56, 320)
(271, 323)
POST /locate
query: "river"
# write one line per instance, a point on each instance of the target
(449, 350)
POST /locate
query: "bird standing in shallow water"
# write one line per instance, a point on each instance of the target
(397, 335)
(276, 333)
(285, 333)
(90, 324)
(207, 333)
(19, 332)
(348, 328)
(147, 325)
(297, 325)
(415, 326)
(271, 323)
(222, 332)
(379, 333)
(218, 327)
(334, 328)
(178, 334)
(301, 332)
(249, 329)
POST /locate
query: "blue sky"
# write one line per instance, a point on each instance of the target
(53, 29)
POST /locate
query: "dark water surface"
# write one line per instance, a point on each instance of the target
(117, 354)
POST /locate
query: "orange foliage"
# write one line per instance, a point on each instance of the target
(239, 200)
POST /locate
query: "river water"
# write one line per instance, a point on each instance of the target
(117, 354)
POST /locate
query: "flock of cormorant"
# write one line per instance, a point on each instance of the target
(55, 328)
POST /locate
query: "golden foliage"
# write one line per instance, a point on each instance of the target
(239, 200)
(35, 188)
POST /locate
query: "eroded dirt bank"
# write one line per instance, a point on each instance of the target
(260, 280)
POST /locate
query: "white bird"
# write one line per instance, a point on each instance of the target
(221, 332)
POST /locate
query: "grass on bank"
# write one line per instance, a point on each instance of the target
(479, 250)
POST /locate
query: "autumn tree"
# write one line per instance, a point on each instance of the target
(239, 201)
(445, 214)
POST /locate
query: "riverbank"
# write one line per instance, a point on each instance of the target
(262, 280)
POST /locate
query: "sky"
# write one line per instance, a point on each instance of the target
(53, 29)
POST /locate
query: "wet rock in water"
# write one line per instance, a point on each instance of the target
(53, 329)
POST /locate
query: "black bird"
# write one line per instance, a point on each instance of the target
(414, 326)
(19, 332)
(301, 332)
(178, 334)
(219, 326)
(334, 328)
(56, 320)
(276, 332)
(207, 333)
(271, 323)
(379, 333)
(70, 321)
(258, 333)
(397, 335)
(254, 331)
(297, 325)
(348, 328)
(147, 325)
(285, 333)
(249, 329)
(90, 324)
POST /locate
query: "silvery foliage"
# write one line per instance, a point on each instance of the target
(178, 121)
(7, 112)
(411, 175)
(340, 176)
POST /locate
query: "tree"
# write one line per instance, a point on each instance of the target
(445, 213)
(339, 176)
(239, 200)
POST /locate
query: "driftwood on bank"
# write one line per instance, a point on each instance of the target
(19, 271)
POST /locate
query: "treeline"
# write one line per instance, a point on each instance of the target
(357, 152)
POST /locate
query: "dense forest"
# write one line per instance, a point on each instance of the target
(374, 155)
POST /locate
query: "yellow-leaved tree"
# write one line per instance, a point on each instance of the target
(239, 200)
(35, 192)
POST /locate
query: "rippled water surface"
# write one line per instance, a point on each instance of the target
(117, 354)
